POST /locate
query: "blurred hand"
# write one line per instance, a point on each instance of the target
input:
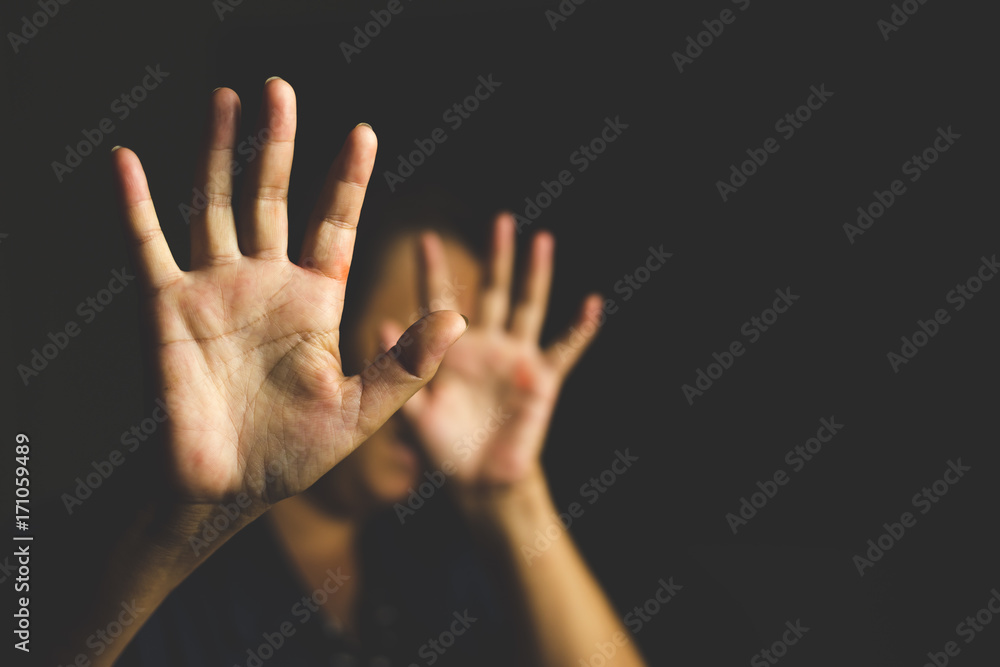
(245, 344)
(488, 408)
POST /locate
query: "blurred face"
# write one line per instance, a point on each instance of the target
(391, 462)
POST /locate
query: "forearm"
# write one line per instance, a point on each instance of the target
(161, 546)
(565, 613)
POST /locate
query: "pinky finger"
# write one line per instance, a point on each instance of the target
(565, 352)
(150, 252)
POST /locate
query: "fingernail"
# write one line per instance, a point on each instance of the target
(115, 148)
(215, 89)
(366, 125)
(270, 78)
(466, 320)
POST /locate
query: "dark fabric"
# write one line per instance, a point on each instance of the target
(418, 586)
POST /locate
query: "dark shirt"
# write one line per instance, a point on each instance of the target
(424, 601)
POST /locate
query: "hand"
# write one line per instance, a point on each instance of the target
(488, 409)
(245, 344)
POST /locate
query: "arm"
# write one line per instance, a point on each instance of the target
(563, 613)
(497, 379)
(246, 359)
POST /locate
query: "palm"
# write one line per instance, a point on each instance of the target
(246, 344)
(253, 348)
(487, 410)
(495, 395)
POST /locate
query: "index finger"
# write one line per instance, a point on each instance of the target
(432, 276)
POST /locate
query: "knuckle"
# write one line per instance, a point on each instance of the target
(143, 238)
(339, 221)
(268, 193)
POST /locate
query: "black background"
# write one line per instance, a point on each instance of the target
(655, 185)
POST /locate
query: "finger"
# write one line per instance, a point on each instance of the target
(149, 249)
(529, 314)
(213, 227)
(565, 352)
(495, 301)
(389, 334)
(395, 376)
(263, 228)
(329, 242)
(432, 276)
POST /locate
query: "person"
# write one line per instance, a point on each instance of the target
(322, 551)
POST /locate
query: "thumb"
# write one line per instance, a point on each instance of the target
(389, 332)
(398, 373)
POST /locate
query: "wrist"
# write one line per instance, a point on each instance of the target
(162, 542)
(509, 508)
(180, 535)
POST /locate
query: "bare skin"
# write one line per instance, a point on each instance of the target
(498, 481)
(246, 347)
(498, 381)
(246, 342)
(499, 364)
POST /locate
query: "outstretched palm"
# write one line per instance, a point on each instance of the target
(246, 343)
(488, 408)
